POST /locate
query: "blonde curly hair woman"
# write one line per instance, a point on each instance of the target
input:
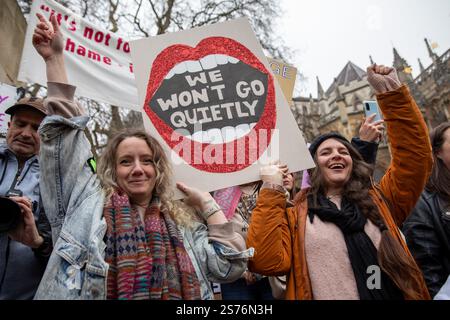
(117, 234)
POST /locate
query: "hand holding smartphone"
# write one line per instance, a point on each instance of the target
(371, 107)
(372, 127)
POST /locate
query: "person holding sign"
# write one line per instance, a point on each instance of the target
(118, 234)
(342, 239)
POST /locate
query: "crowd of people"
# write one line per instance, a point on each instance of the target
(111, 229)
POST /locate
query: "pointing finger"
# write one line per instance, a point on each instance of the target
(43, 20)
(41, 17)
(54, 23)
(181, 186)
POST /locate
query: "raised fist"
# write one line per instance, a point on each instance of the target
(382, 79)
(47, 38)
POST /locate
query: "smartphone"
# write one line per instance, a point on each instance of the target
(371, 107)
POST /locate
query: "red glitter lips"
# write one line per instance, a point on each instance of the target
(237, 91)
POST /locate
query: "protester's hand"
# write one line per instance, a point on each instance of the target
(201, 201)
(195, 197)
(383, 79)
(371, 131)
(26, 232)
(274, 173)
(47, 37)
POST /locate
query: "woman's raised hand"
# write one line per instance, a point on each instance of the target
(274, 173)
(47, 37)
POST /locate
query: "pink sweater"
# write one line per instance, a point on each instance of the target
(329, 266)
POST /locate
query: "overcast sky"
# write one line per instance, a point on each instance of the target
(326, 34)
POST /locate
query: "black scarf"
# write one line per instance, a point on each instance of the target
(361, 251)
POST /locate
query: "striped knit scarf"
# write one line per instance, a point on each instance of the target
(146, 261)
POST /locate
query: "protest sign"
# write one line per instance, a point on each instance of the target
(8, 96)
(286, 75)
(211, 101)
(98, 62)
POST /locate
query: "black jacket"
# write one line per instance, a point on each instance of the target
(368, 150)
(427, 232)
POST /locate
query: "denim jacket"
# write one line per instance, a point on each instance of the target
(21, 269)
(74, 200)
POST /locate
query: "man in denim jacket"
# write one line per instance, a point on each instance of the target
(24, 251)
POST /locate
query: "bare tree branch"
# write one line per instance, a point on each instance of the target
(137, 21)
(166, 19)
(84, 10)
(112, 11)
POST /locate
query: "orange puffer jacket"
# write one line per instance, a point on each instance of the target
(270, 232)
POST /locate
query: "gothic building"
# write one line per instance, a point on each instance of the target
(431, 88)
(340, 107)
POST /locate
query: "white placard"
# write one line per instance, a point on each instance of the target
(218, 76)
